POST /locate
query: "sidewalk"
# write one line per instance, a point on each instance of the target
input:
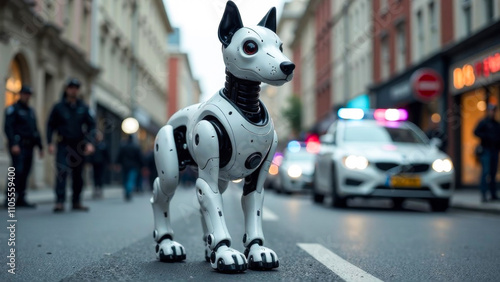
(466, 199)
(470, 199)
(47, 196)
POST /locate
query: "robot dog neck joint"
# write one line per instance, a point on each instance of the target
(245, 96)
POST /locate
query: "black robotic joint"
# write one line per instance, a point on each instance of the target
(253, 161)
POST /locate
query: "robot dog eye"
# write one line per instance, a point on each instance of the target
(281, 47)
(250, 47)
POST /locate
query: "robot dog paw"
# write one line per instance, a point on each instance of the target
(261, 258)
(170, 251)
(228, 260)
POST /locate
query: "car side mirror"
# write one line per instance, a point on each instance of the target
(326, 139)
(436, 142)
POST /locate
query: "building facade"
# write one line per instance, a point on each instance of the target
(352, 42)
(437, 59)
(183, 88)
(277, 99)
(304, 50)
(129, 44)
(455, 40)
(117, 49)
(473, 72)
(43, 43)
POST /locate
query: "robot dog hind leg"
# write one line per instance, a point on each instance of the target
(163, 190)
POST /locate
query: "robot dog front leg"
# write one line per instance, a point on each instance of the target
(222, 187)
(206, 153)
(164, 186)
(259, 257)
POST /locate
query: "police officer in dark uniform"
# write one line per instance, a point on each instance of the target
(22, 134)
(75, 127)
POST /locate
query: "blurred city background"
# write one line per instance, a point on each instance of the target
(439, 60)
(436, 61)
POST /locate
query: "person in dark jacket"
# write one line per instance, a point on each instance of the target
(488, 130)
(130, 162)
(75, 126)
(151, 166)
(99, 160)
(23, 135)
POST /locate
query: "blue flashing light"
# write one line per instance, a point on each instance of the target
(294, 146)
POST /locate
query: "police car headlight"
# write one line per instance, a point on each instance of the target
(294, 171)
(442, 165)
(355, 162)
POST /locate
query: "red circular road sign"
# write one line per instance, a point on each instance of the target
(427, 84)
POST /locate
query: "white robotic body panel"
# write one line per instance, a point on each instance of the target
(248, 144)
(166, 158)
(206, 144)
(248, 137)
(183, 116)
(208, 108)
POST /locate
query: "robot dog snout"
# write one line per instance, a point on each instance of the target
(287, 67)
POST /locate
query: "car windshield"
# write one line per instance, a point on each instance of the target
(381, 133)
(302, 155)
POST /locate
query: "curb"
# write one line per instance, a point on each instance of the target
(472, 207)
(47, 197)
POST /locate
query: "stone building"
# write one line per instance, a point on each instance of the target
(118, 49)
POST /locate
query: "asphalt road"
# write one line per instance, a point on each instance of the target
(368, 242)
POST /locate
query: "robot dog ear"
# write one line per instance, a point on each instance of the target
(230, 23)
(269, 20)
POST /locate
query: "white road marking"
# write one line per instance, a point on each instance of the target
(268, 215)
(338, 265)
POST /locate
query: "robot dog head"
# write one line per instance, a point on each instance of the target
(254, 53)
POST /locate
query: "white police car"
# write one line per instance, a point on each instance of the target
(296, 167)
(378, 154)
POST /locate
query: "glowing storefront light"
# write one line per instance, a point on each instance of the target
(436, 117)
(13, 83)
(130, 125)
(481, 105)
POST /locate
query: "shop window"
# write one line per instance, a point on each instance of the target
(473, 106)
(467, 16)
(420, 35)
(13, 83)
(489, 9)
(401, 47)
(433, 25)
(385, 56)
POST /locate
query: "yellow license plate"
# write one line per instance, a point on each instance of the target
(405, 181)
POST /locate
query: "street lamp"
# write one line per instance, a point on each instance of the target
(130, 125)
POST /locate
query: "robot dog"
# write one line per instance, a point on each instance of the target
(231, 136)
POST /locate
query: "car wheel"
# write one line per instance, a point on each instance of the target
(277, 186)
(337, 201)
(439, 205)
(397, 203)
(317, 198)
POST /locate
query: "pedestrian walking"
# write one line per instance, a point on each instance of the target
(151, 166)
(130, 163)
(488, 130)
(74, 124)
(99, 160)
(22, 133)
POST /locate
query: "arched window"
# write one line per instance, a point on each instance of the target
(14, 82)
